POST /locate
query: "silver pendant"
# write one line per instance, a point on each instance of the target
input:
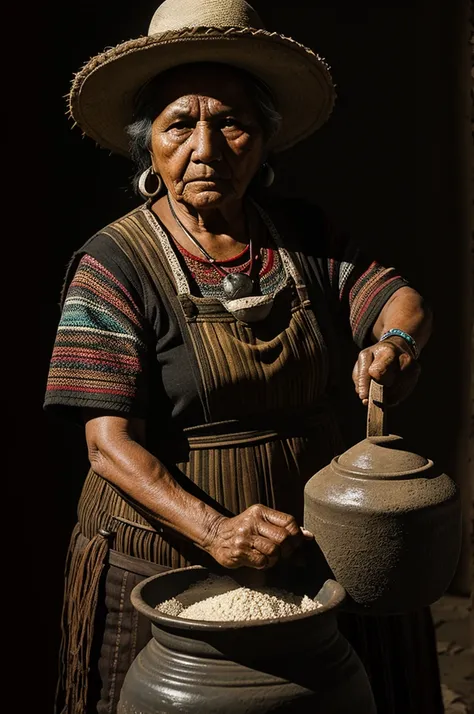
(237, 285)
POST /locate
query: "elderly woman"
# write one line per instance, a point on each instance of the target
(196, 340)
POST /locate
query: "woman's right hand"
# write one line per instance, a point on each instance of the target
(256, 538)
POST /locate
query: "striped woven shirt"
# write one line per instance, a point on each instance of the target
(363, 287)
(102, 349)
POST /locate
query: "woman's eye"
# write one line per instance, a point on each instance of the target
(180, 125)
(231, 123)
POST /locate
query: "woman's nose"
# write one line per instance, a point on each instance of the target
(207, 143)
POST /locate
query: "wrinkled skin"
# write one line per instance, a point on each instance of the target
(207, 144)
(256, 538)
(389, 364)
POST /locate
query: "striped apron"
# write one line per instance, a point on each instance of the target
(267, 430)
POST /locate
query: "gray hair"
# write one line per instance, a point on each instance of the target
(139, 131)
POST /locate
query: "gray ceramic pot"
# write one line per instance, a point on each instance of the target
(386, 519)
(298, 665)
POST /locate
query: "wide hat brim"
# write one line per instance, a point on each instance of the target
(103, 92)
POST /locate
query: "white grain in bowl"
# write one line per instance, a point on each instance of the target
(222, 599)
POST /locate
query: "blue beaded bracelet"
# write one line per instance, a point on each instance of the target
(405, 336)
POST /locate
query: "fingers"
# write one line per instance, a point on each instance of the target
(267, 548)
(384, 362)
(280, 519)
(260, 553)
(257, 538)
(282, 529)
(284, 543)
(257, 552)
(385, 365)
(361, 372)
(286, 521)
(249, 558)
(273, 533)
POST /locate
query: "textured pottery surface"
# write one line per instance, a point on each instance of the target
(298, 665)
(388, 523)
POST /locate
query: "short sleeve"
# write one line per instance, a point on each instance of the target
(99, 358)
(360, 284)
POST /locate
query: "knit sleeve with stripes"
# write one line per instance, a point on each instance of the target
(360, 285)
(99, 357)
(340, 276)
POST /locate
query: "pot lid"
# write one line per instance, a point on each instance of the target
(382, 456)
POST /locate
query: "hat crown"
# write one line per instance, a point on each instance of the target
(178, 14)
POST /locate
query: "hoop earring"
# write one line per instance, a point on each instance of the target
(143, 180)
(267, 175)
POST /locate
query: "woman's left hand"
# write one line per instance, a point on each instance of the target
(390, 364)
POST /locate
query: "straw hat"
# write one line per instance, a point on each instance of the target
(102, 96)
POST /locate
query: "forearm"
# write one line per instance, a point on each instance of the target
(407, 311)
(117, 456)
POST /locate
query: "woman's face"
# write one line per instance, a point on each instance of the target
(207, 142)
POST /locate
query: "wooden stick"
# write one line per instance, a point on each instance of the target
(376, 417)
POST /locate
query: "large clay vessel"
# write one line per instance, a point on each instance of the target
(297, 665)
(387, 520)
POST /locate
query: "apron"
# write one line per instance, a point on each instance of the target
(267, 430)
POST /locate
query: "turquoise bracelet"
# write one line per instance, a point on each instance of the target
(405, 336)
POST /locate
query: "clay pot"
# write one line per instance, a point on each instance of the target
(296, 665)
(387, 521)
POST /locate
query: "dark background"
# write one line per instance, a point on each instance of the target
(390, 166)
